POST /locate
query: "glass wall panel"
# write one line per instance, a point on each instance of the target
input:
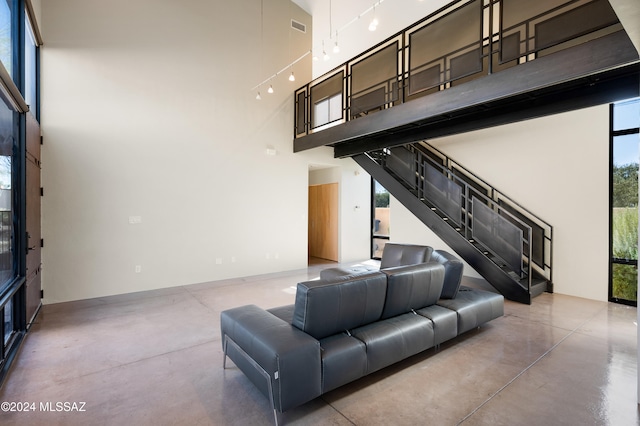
(626, 115)
(6, 196)
(30, 80)
(6, 35)
(624, 207)
(8, 321)
(381, 220)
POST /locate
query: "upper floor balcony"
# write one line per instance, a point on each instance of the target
(467, 66)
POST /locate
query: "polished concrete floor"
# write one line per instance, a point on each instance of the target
(155, 358)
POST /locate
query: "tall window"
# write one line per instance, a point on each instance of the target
(6, 35)
(9, 310)
(327, 111)
(30, 70)
(381, 222)
(625, 141)
(18, 60)
(6, 193)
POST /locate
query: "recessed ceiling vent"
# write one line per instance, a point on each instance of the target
(298, 26)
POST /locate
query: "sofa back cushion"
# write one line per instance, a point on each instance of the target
(404, 254)
(453, 268)
(324, 308)
(412, 287)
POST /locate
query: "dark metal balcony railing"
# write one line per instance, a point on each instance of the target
(463, 41)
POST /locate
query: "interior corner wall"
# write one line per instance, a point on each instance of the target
(149, 112)
(558, 168)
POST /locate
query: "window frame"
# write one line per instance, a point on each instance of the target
(613, 134)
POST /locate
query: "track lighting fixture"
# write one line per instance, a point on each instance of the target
(373, 25)
(270, 89)
(292, 77)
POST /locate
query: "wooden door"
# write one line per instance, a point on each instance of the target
(34, 264)
(323, 221)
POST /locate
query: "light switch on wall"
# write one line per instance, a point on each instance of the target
(133, 220)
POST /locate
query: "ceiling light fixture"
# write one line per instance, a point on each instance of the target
(374, 22)
(287, 68)
(270, 89)
(336, 48)
(325, 56)
(258, 97)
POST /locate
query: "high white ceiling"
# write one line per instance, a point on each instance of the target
(353, 34)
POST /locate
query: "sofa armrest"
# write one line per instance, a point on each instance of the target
(281, 360)
(452, 272)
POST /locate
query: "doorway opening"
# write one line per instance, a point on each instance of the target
(323, 215)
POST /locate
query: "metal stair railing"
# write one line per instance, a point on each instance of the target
(417, 165)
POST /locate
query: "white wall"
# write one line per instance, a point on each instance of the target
(148, 110)
(558, 168)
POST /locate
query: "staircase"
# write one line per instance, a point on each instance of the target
(505, 243)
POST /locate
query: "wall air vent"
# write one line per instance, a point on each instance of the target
(298, 26)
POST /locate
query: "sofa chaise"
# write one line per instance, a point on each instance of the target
(350, 323)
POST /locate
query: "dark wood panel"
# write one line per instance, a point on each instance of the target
(323, 221)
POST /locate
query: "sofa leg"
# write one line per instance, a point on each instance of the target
(228, 341)
(224, 356)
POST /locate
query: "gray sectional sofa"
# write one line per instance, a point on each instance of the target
(352, 322)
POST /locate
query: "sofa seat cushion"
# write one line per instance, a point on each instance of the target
(474, 307)
(344, 359)
(285, 313)
(394, 339)
(324, 308)
(445, 322)
(412, 287)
